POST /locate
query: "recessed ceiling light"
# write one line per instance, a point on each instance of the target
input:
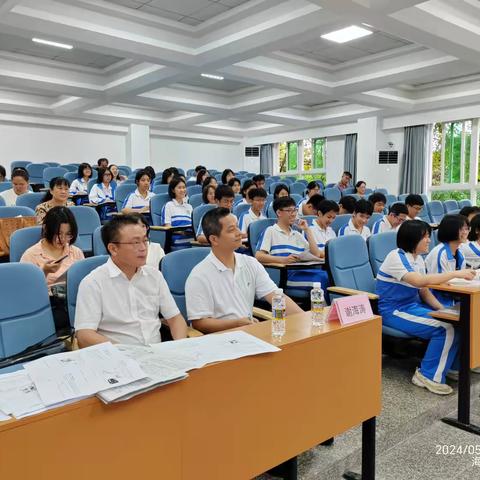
(52, 44)
(347, 34)
(214, 77)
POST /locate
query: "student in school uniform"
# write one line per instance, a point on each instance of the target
(103, 192)
(360, 188)
(79, 186)
(322, 231)
(178, 213)
(257, 197)
(201, 176)
(280, 243)
(405, 303)
(357, 225)
(235, 184)
(379, 200)
(313, 188)
(414, 204)
(397, 214)
(469, 212)
(120, 301)
(139, 200)
(246, 187)
(446, 256)
(195, 174)
(208, 194)
(117, 177)
(347, 205)
(259, 180)
(281, 190)
(344, 181)
(224, 198)
(310, 205)
(221, 290)
(227, 175)
(20, 186)
(471, 249)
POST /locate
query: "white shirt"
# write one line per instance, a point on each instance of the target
(383, 225)
(281, 244)
(471, 253)
(247, 218)
(137, 201)
(213, 290)
(79, 186)
(10, 197)
(441, 260)
(321, 235)
(100, 194)
(177, 214)
(349, 229)
(125, 311)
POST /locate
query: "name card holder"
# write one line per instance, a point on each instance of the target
(351, 309)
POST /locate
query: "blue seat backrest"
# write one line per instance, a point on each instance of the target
(305, 182)
(379, 246)
(176, 277)
(5, 186)
(122, 192)
(23, 239)
(71, 176)
(7, 212)
(53, 164)
(35, 171)
(98, 246)
(424, 214)
(2, 202)
(198, 213)
(26, 316)
(240, 209)
(194, 189)
(195, 200)
(30, 200)
(402, 197)
(19, 164)
(348, 262)
(381, 190)
(53, 172)
(270, 212)
(347, 191)
(464, 203)
(272, 186)
(75, 274)
(373, 219)
(160, 188)
(125, 170)
(297, 188)
(69, 167)
(87, 221)
(298, 198)
(332, 193)
(340, 221)
(191, 183)
(436, 211)
(433, 240)
(450, 206)
(288, 180)
(156, 204)
(256, 229)
(391, 199)
(91, 183)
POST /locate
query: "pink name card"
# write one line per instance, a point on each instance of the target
(351, 309)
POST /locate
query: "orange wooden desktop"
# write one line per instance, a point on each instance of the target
(230, 420)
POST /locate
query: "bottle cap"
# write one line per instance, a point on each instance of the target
(317, 285)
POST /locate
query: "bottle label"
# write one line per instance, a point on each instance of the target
(278, 314)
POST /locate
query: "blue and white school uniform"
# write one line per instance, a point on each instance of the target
(441, 260)
(322, 236)
(349, 229)
(178, 214)
(100, 194)
(471, 253)
(382, 225)
(79, 186)
(401, 308)
(278, 243)
(136, 201)
(247, 218)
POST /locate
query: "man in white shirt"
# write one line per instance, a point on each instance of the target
(357, 225)
(20, 180)
(120, 301)
(221, 289)
(397, 214)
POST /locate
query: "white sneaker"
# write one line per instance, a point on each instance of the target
(439, 388)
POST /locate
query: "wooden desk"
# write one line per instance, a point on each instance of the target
(230, 420)
(469, 326)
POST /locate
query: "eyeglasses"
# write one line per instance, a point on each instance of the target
(289, 210)
(136, 245)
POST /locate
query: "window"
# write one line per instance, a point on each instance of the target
(453, 160)
(306, 158)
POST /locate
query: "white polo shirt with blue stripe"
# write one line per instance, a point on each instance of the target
(441, 259)
(79, 185)
(349, 229)
(137, 201)
(383, 225)
(322, 236)
(177, 214)
(247, 218)
(471, 253)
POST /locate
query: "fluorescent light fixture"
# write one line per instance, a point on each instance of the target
(213, 77)
(52, 44)
(347, 34)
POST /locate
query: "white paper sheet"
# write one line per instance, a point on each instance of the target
(71, 375)
(4, 417)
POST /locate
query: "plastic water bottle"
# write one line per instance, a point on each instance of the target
(278, 313)
(318, 305)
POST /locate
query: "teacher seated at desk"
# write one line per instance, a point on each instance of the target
(221, 289)
(120, 301)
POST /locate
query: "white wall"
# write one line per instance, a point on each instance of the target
(186, 154)
(40, 144)
(335, 154)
